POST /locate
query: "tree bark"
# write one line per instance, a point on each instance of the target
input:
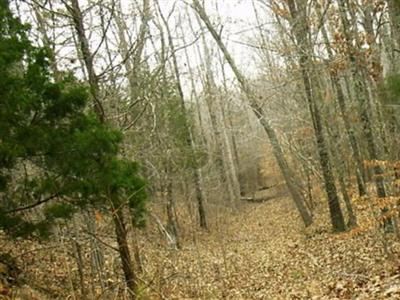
(220, 121)
(118, 218)
(77, 17)
(189, 136)
(172, 226)
(360, 172)
(336, 150)
(360, 77)
(258, 111)
(300, 30)
(123, 247)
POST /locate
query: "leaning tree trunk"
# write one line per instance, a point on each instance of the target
(340, 95)
(216, 111)
(97, 257)
(118, 218)
(219, 147)
(123, 248)
(221, 126)
(189, 136)
(336, 151)
(300, 30)
(220, 157)
(198, 177)
(360, 77)
(77, 18)
(258, 111)
(49, 44)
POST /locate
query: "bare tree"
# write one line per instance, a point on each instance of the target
(258, 111)
(117, 212)
(189, 136)
(300, 31)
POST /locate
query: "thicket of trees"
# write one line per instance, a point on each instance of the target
(92, 87)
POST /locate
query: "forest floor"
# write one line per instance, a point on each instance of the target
(259, 252)
(262, 253)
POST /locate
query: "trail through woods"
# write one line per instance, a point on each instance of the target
(259, 253)
(262, 254)
(226, 126)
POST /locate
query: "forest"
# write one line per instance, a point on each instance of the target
(199, 149)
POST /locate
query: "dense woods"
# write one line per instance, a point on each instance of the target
(199, 149)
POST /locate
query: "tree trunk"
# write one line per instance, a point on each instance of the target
(199, 199)
(131, 56)
(360, 77)
(79, 262)
(121, 234)
(221, 160)
(258, 111)
(300, 30)
(87, 56)
(336, 150)
(220, 121)
(189, 136)
(360, 172)
(96, 253)
(198, 173)
(172, 225)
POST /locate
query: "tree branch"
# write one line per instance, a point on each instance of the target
(30, 206)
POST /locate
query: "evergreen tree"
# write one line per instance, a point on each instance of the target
(53, 154)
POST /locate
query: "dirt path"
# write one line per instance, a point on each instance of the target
(258, 252)
(263, 253)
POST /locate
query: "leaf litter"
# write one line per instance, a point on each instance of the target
(260, 251)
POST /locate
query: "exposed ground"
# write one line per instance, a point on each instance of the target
(260, 252)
